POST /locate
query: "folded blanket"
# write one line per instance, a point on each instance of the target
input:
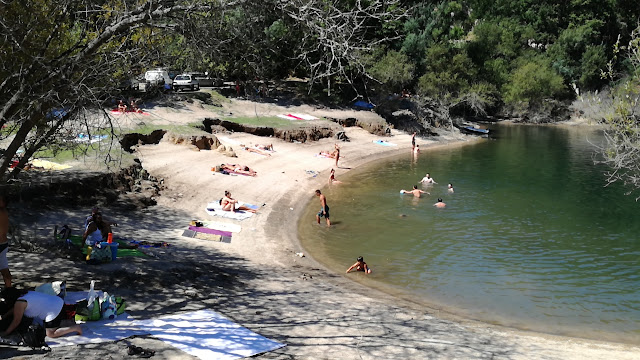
(214, 209)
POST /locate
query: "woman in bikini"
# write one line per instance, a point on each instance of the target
(230, 204)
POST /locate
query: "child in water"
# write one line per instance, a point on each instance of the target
(360, 265)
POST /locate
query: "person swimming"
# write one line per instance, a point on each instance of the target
(360, 265)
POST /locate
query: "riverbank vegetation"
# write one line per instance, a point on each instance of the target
(440, 60)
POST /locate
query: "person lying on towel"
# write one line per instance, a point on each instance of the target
(230, 204)
(239, 169)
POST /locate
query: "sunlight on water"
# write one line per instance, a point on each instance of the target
(530, 238)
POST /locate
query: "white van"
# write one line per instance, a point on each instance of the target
(158, 77)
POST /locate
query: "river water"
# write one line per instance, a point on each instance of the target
(530, 239)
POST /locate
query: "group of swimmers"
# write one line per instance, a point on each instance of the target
(428, 180)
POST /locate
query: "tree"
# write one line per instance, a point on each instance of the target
(621, 151)
(62, 60)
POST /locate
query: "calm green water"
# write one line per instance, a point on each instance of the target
(530, 238)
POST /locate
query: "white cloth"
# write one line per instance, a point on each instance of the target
(94, 237)
(42, 306)
(214, 209)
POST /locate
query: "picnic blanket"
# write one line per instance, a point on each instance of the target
(384, 143)
(77, 240)
(208, 335)
(48, 165)
(214, 209)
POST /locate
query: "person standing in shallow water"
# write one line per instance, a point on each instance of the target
(324, 210)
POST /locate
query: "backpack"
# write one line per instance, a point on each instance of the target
(32, 334)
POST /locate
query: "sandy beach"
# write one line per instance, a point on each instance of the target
(257, 280)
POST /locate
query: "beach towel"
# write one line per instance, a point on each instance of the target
(203, 233)
(230, 227)
(384, 143)
(228, 140)
(363, 105)
(77, 240)
(214, 209)
(208, 335)
(99, 331)
(118, 112)
(48, 165)
(84, 138)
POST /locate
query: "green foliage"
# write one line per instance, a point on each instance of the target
(531, 82)
(448, 72)
(394, 70)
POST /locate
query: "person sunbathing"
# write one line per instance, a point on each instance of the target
(257, 151)
(264, 147)
(230, 204)
(239, 169)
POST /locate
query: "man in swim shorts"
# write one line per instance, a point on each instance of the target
(324, 210)
(4, 241)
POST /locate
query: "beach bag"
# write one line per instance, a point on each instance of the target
(84, 312)
(101, 253)
(121, 305)
(108, 307)
(34, 336)
(31, 334)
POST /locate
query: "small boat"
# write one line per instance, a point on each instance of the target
(474, 130)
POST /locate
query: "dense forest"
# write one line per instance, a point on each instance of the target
(509, 58)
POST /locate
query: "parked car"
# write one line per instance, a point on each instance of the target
(185, 81)
(158, 77)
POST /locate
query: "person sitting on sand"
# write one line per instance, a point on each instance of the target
(360, 265)
(96, 231)
(134, 106)
(428, 180)
(332, 178)
(33, 304)
(415, 192)
(230, 204)
(440, 204)
(122, 107)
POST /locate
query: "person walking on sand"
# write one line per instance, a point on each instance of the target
(4, 241)
(428, 180)
(360, 265)
(440, 204)
(415, 192)
(337, 154)
(324, 210)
